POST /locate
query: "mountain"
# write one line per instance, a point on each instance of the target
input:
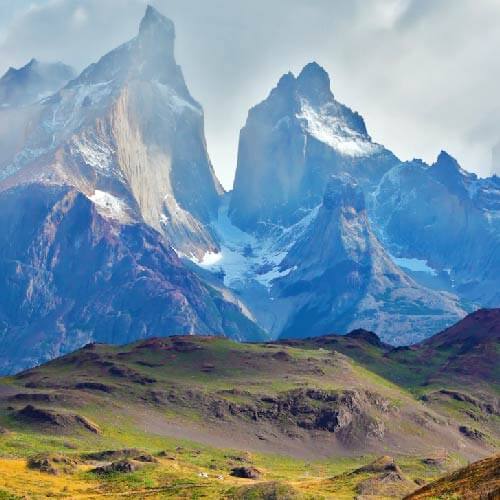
(169, 416)
(446, 217)
(32, 82)
(74, 276)
(454, 372)
(298, 248)
(340, 277)
(290, 145)
(127, 126)
(291, 249)
(110, 184)
(21, 99)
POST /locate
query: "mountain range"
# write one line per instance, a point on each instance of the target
(117, 228)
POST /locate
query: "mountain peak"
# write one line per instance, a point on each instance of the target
(314, 81)
(36, 79)
(155, 24)
(445, 158)
(448, 171)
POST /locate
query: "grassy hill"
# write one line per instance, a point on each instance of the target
(185, 417)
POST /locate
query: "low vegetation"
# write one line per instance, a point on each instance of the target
(195, 417)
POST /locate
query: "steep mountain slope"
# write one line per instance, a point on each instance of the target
(32, 82)
(127, 126)
(341, 278)
(291, 143)
(71, 276)
(447, 217)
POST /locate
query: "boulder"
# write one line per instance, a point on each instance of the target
(246, 472)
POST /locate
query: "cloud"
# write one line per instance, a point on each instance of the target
(423, 73)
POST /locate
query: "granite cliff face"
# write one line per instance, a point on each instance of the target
(111, 175)
(128, 127)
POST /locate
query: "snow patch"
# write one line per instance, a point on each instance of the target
(243, 257)
(109, 205)
(333, 131)
(96, 154)
(210, 258)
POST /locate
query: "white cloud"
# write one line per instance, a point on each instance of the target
(423, 73)
(80, 16)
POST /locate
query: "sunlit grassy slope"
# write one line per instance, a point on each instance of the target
(204, 406)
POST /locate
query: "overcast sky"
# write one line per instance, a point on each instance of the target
(423, 73)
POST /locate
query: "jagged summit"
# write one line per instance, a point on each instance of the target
(314, 82)
(153, 20)
(148, 57)
(447, 162)
(33, 81)
(128, 130)
(290, 145)
(156, 31)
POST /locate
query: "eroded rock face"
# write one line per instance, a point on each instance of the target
(246, 472)
(128, 134)
(53, 463)
(60, 422)
(121, 466)
(353, 416)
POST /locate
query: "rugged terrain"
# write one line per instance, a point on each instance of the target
(74, 276)
(325, 230)
(109, 177)
(206, 415)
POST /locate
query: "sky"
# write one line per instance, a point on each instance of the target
(423, 73)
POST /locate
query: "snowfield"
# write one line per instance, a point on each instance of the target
(244, 257)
